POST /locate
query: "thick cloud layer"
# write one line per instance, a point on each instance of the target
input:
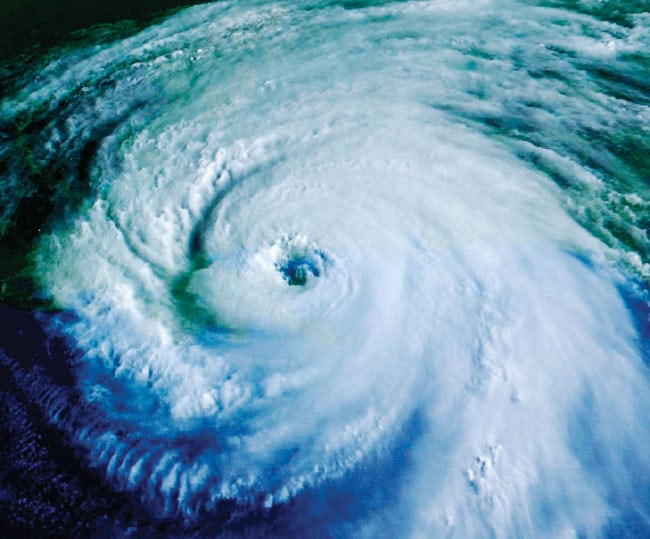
(323, 260)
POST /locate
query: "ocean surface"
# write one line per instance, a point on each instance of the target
(327, 269)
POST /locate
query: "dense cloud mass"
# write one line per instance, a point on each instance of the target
(342, 270)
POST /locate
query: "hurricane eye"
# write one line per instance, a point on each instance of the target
(297, 271)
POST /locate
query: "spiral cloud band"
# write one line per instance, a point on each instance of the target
(324, 253)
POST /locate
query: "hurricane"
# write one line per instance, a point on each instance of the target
(337, 269)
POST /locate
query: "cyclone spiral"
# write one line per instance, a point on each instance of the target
(321, 240)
